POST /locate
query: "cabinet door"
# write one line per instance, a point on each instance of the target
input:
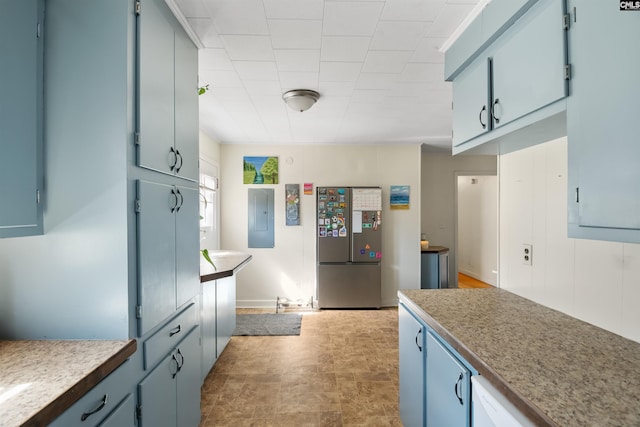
(157, 394)
(208, 324)
(21, 117)
(189, 380)
(155, 143)
(528, 63)
(124, 415)
(187, 245)
(186, 106)
(225, 311)
(448, 387)
(471, 102)
(156, 253)
(412, 359)
(602, 121)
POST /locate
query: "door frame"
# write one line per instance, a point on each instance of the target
(458, 174)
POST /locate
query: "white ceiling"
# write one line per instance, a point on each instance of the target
(376, 65)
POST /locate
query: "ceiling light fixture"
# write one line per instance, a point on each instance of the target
(300, 99)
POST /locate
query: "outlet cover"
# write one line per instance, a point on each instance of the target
(527, 254)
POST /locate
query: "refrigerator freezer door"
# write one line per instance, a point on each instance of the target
(334, 224)
(366, 246)
(349, 286)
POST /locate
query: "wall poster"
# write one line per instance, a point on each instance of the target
(260, 170)
(292, 204)
(399, 198)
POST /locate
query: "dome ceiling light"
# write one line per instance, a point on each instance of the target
(300, 99)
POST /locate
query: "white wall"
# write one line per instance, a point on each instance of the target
(596, 281)
(289, 269)
(438, 193)
(478, 227)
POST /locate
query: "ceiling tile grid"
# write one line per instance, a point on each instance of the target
(376, 64)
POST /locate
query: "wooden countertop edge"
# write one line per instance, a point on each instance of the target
(530, 410)
(56, 407)
(225, 273)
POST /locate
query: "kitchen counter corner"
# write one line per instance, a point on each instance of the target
(556, 369)
(40, 379)
(227, 263)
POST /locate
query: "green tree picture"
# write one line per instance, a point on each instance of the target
(260, 170)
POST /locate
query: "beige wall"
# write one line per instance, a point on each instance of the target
(288, 269)
(438, 195)
(596, 281)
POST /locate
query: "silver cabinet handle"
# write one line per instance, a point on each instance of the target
(493, 110)
(455, 389)
(484, 108)
(98, 408)
(178, 157)
(173, 155)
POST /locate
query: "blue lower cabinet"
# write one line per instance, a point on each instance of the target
(411, 337)
(448, 387)
(170, 395)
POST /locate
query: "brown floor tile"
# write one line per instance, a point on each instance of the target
(342, 370)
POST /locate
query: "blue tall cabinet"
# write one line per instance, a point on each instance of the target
(21, 118)
(122, 200)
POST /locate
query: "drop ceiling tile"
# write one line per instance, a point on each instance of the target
(263, 87)
(451, 17)
(411, 10)
(203, 28)
(422, 72)
(386, 61)
(397, 35)
(239, 17)
(298, 80)
(298, 59)
(380, 81)
(192, 8)
(340, 71)
(219, 78)
(248, 48)
(256, 70)
(428, 50)
(336, 88)
(295, 34)
(344, 49)
(368, 96)
(351, 18)
(214, 59)
(294, 9)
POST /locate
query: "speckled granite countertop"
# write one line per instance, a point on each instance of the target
(557, 369)
(227, 264)
(39, 380)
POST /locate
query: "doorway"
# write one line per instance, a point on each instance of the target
(477, 229)
(209, 205)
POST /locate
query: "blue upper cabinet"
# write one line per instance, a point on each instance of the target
(603, 129)
(529, 64)
(510, 83)
(21, 107)
(167, 131)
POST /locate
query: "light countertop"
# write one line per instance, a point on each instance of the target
(555, 368)
(227, 264)
(39, 380)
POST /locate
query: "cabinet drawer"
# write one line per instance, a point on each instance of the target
(163, 341)
(110, 391)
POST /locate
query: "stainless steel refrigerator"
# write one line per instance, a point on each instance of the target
(349, 246)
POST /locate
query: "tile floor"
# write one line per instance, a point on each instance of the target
(341, 371)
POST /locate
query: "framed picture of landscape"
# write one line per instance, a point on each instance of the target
(260, 170)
